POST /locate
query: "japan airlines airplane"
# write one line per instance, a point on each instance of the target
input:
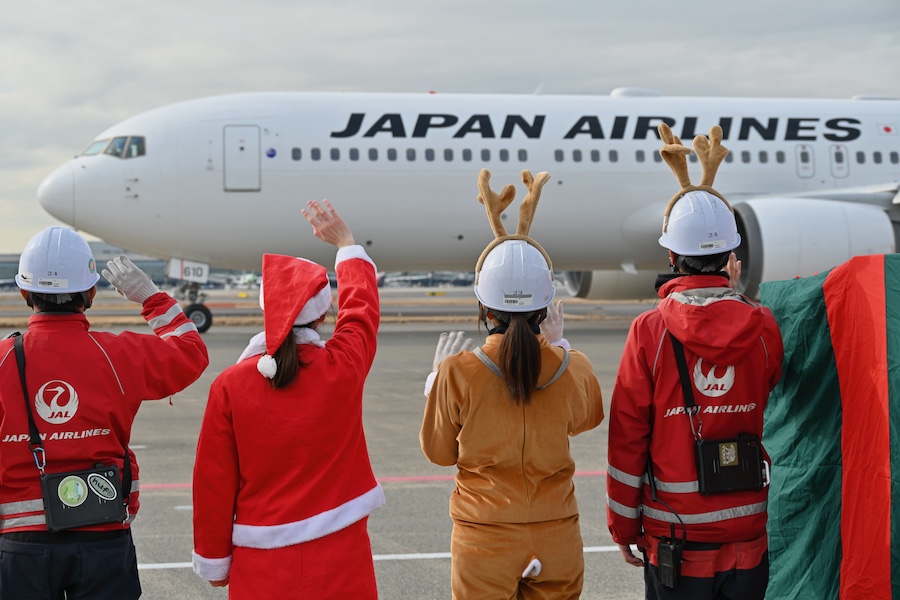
(221, 180)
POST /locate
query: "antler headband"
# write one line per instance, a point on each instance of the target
(495, 204)
(711, 153)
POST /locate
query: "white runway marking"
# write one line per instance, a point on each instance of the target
(377, 557)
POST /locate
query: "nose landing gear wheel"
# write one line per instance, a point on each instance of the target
(200, 315)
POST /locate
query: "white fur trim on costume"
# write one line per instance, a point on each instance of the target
(211, 569)
(267, 366)
(302, 335)
(315, 527)
(315, 307)
(348, 252)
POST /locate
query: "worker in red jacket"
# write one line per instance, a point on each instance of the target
(686, 480)
(83, 391)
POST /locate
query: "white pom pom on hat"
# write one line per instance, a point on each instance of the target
(297, 292)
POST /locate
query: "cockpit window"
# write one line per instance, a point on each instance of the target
(135, 147)
(96, 147)
(121, 147)
(116, 147)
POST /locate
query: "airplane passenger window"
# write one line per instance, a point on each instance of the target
(839, 157)
(523, 155)
(96, 147)
(804, 157)
(613, 156)
(448, 154)
(558, 155)
(296, 154)
(373, 153)
(745, 156)
(763, 156)
(467, 155)
(595, 156)
(335, 154)
(895, 158)
(876, 158)
(135, 147)
(392, 154)
(429, 154)
(504, 155)
(354, 154)
(576, 155)
(639, 155)
(315, 154)
(410, 154)
(693, 157)
(861, 158)
(116, 147)
(486, 155)
(779, 156)
(729, 157)
(657, 157)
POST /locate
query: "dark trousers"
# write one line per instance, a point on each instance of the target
(735, 584)
(76, 565)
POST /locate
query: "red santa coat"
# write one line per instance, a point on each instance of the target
(276, 468)
(86, 388)
(733, 351)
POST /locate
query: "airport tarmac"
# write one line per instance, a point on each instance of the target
(411, 534)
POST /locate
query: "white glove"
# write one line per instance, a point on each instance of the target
(449, 344)
(129, 280)
(552, 326)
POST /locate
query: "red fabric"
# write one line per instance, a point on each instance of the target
(336, 567)
(289, 283)
(270, 457)
(855, 317)
(110, 374)
(647, 415)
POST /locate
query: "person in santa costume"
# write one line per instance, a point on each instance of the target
(282, 482)
(502, 414)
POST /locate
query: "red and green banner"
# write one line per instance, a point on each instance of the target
(832, 429)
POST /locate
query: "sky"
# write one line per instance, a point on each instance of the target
(69, 70)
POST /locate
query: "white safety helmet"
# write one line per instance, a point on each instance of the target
(700, 224)
(515, 277)
(57, 261)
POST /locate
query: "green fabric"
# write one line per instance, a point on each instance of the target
(892, 318)
(802, 434)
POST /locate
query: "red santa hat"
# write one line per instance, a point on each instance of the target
(294, 291)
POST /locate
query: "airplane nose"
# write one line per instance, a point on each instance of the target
(57, 194)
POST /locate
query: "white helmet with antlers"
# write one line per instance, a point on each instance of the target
(513, 274)
(698, 221)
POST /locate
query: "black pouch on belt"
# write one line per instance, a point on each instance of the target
(730, 465)
(83, 498)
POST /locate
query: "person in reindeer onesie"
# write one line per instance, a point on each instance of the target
(503, 414)
(282, 484)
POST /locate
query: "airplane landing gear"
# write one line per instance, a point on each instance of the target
(198, 313)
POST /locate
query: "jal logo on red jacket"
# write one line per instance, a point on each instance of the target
(711, 385)
(56, 402)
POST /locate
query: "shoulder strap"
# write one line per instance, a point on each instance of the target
(484, 358)
(683, 374)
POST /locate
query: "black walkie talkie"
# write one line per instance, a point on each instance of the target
(668, 553)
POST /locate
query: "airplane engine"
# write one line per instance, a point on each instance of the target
(782, 238)
(612, 285)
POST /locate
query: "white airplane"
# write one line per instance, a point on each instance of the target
(221, 180)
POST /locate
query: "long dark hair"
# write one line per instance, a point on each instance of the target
(520, 353)
(288, 360)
